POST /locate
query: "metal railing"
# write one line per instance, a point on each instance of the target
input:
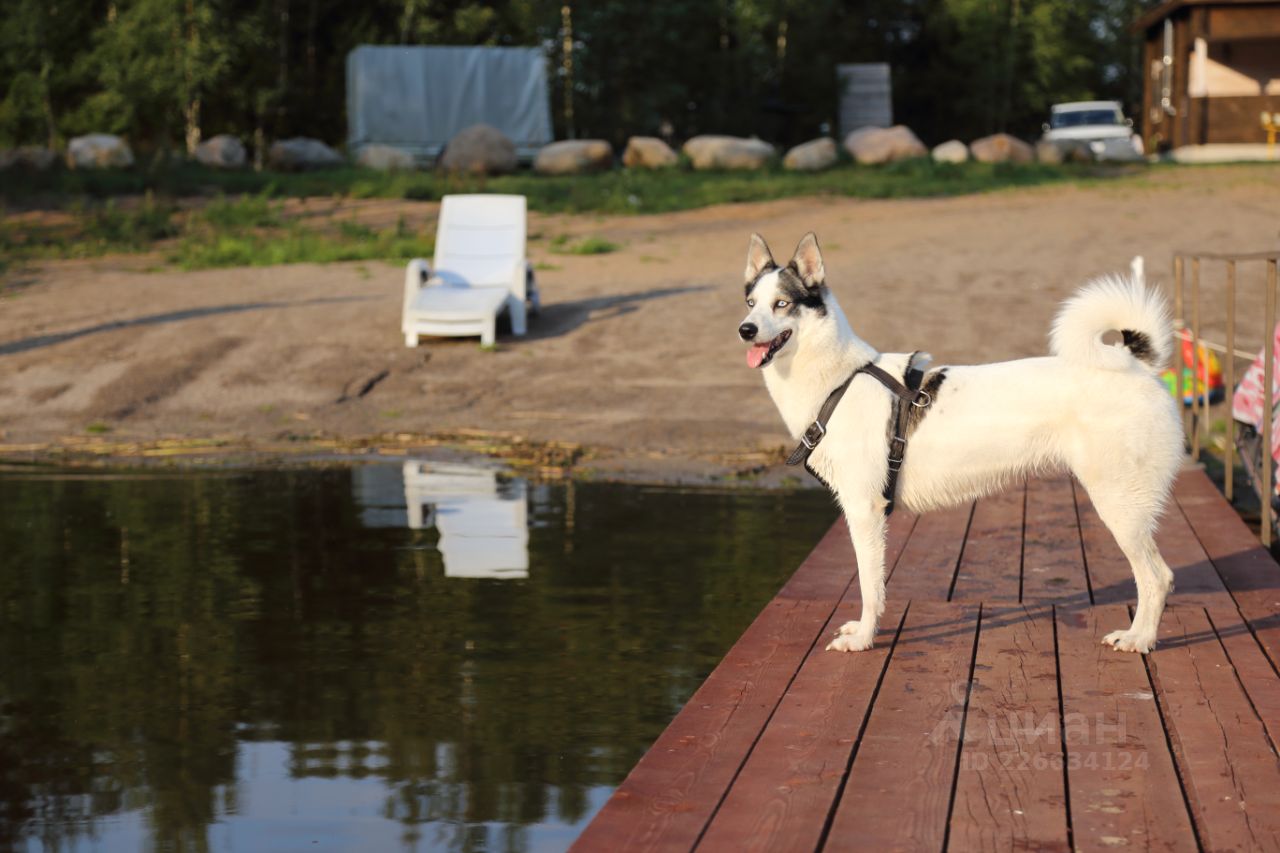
(1196, 417)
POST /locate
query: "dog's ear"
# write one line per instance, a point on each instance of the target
(759, 258)
(807, 262)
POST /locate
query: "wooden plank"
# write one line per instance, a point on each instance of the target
(671, 794)
(1052, 560)
(781, 798)
(1009, 791)
(1250, 574)
(991, 566)
(1229, 769)
(1123, 786)
(898, 793)
(1256, 674)
(928, 563)
(1195, 581)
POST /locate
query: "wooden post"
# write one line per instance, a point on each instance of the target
(1229, 464)
(1181, 326)
(1268, 354)
(1199, 408)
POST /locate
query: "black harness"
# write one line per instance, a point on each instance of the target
(907, 394)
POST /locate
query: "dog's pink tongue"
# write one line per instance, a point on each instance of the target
(756, 354)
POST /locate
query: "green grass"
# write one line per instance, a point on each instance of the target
(617, 191)
(242, 223)
(100, 228)
(294, 246)
(587, 246)
(250, 211)
(244, 231)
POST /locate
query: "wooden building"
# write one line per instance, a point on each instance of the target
(1211, 68)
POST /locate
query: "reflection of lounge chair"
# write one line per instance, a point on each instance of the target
(483, 525)
(480, 269)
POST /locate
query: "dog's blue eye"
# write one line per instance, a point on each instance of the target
(751, 303)
(781, 303)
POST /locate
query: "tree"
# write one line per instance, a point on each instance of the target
(39, 41)
(157, 61)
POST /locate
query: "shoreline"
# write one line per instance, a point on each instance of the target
(535, 461)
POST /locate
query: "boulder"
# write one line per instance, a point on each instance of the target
(479, 150)
(1048, 152)
(648, 152)
(300, 154)
(573, 157)
(33, 157)
(728, 152)
(1001, 148)
(951, 151)
(384, 158)
(223, 151)
(99, 151)
(812, 156)
(872, 145)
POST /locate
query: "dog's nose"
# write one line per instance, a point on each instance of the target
(748, 331)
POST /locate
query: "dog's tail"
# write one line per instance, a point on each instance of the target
(1117, 304)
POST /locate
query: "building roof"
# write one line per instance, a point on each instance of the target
(1166, 9)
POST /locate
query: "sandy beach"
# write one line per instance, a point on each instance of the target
(633, 367)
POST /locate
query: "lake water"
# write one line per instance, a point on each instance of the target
(383, 657)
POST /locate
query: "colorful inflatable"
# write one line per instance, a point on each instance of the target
(1209, 370)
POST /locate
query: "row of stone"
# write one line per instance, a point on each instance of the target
(482, 149)
(107, 151)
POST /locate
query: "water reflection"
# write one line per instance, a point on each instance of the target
(482, 517)
(277, 660)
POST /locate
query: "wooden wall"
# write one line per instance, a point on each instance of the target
(1202, 121)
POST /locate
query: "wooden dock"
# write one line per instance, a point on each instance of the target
(988, 716)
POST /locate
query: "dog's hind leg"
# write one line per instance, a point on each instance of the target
(1133, 524)
(868, 531)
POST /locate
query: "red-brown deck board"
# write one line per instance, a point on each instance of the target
(988, 716)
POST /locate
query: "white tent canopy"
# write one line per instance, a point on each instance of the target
(418, 98)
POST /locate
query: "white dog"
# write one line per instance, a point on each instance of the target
(1093, 408)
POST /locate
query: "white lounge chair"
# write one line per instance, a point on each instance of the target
(480, 269)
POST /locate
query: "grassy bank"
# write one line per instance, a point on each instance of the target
(617, 191)
(226, 232)
(234, 218)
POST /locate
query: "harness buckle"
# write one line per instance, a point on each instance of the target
(817, 431)
(896, 454)
(928, 400)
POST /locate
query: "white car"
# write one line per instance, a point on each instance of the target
(1098, 127)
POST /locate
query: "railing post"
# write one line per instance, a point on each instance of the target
(1267, 407)
(1180, 326)
(1199, 408)
(1229, 476)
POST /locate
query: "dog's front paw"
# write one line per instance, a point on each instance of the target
(1129, 641)
(850, 642)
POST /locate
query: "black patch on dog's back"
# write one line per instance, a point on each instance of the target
(932, 385)
(1138, 344)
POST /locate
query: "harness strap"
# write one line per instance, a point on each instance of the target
(906, 395)
(898, 443)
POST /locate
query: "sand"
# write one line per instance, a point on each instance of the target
(634, 359)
